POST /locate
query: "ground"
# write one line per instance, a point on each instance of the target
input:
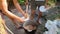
(12, 27)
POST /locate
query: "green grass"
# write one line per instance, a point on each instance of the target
(21, 2)
(51, 2)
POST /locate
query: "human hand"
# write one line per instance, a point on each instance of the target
(26, 15)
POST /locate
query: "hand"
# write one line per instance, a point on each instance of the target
(26, 15)
(22, 21)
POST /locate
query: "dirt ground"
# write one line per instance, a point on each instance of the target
(11, 26)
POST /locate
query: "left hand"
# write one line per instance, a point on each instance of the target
(26, 15)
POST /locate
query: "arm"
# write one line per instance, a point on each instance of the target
(18, 7)
(33, 8)
(46, 3)
(8, 13)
